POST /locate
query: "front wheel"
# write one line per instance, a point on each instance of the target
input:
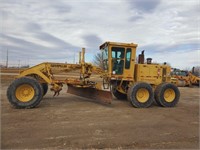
(167, 95)
(25, 92)
(140, 95)
(45, 88)
(117, 94)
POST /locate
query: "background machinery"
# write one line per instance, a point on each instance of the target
(139, 82)
(184, 78)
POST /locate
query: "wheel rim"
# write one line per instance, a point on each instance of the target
(142, 95)
(24, 93)
(169, 95)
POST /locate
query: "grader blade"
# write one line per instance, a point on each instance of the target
(95, 95)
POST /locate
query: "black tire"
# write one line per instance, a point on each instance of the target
(117, 94)
(20, 88)
(133, 95)
(45, 88)
(163, 100)
(156, 93)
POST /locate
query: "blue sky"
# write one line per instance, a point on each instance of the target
(37, 31)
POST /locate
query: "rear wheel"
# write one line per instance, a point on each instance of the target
(140, 95)
(25, 92)
(167, 95)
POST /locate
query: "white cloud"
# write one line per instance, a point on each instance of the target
(179, 59)
(55, 30)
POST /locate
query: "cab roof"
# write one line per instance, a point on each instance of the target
(118, 44)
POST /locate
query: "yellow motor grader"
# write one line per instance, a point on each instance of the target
(140, 82)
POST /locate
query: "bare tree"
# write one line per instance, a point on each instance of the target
(98, 60)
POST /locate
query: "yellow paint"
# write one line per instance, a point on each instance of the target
(126, 72)
(24, 93)
(169, 95)
(153, 74)
(142, 95)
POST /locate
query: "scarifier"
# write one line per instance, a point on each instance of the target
(122, 76)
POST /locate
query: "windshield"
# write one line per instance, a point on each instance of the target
(118, 60)
(105, 57)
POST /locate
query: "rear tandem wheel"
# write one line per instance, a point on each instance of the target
(140, 95)
(167, 95)
(25, 92)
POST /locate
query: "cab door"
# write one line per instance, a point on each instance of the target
(129, 63)
(117, 56)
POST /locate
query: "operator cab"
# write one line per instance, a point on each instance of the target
(118, 58)
(179, 72)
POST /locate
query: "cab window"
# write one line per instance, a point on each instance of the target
(118, 60)
(105, 58)
(128, 58)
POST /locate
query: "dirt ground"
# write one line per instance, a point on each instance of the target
(69, 122)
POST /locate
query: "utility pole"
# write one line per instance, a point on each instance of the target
(7, 59)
